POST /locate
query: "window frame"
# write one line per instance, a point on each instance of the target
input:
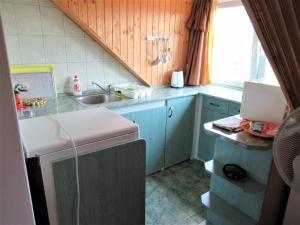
(258, 58)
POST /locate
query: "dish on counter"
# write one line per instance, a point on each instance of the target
(259, 128)
(34, 101)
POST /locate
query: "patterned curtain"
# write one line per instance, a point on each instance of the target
(200, 25)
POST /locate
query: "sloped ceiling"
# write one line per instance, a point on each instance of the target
(121, 27)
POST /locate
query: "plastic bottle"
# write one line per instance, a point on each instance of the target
(76, 87)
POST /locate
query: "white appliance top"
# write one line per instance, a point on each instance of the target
(43, 135)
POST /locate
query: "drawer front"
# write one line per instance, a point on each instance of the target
(234, 108)
(215, 104)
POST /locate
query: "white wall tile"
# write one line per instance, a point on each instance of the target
(32, 49)
(50, 37)
(52, 21)
(27, 2)
(8, 18)
(8, 1)
(108, 57)
(111, 73)
(78, 69)
(13, 49)
(95, 73)
(28, 19)
(71, 29)
(94, 52)
(46, 3)
(75, 47)
(61, 78)
(126, 76)
(55, 49)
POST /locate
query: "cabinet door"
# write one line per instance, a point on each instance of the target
(152, 123)
(112, 186)
(179, 132)
(206, 141)
(234, 108)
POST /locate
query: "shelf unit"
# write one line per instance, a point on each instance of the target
(228, 214)
(232, 202)
(247, 184)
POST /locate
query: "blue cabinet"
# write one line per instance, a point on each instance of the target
(152, 123)
(215, 104)
(207, 142)
(179, 129)
(168, 132)
(234, 108)
(213, 109)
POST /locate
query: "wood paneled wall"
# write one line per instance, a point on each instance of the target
(121, 26)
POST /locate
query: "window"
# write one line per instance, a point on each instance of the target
(237, 53)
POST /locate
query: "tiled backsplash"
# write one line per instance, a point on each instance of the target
(38, 33)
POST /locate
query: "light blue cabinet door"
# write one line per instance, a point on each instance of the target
(179, 131)
(206, 141)
(152, 123)
(234, 108)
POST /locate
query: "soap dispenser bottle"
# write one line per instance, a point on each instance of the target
(76, 87)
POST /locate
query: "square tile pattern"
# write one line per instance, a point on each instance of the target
(37, 32)
(173, 195)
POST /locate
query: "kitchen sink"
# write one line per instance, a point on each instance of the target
(96, 99)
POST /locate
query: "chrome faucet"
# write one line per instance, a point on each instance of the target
(103, 89)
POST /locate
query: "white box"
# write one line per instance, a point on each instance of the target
(262, 102)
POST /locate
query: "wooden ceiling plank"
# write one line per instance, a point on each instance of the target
(92, 14)
(100, 19)
(108, 22)
(124, 31)
(116, 27)
(149, 44)
(143, 41)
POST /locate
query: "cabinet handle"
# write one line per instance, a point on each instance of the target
(170, 112)
(214, 104)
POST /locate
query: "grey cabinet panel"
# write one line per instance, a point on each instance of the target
(112, 186)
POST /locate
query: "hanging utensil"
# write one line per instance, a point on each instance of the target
(167, 57)
(159, 58)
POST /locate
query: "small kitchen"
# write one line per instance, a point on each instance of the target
(135, 112)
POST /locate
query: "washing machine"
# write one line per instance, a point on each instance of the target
(61, 137)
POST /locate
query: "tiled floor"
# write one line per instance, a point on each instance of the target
(173, 195)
